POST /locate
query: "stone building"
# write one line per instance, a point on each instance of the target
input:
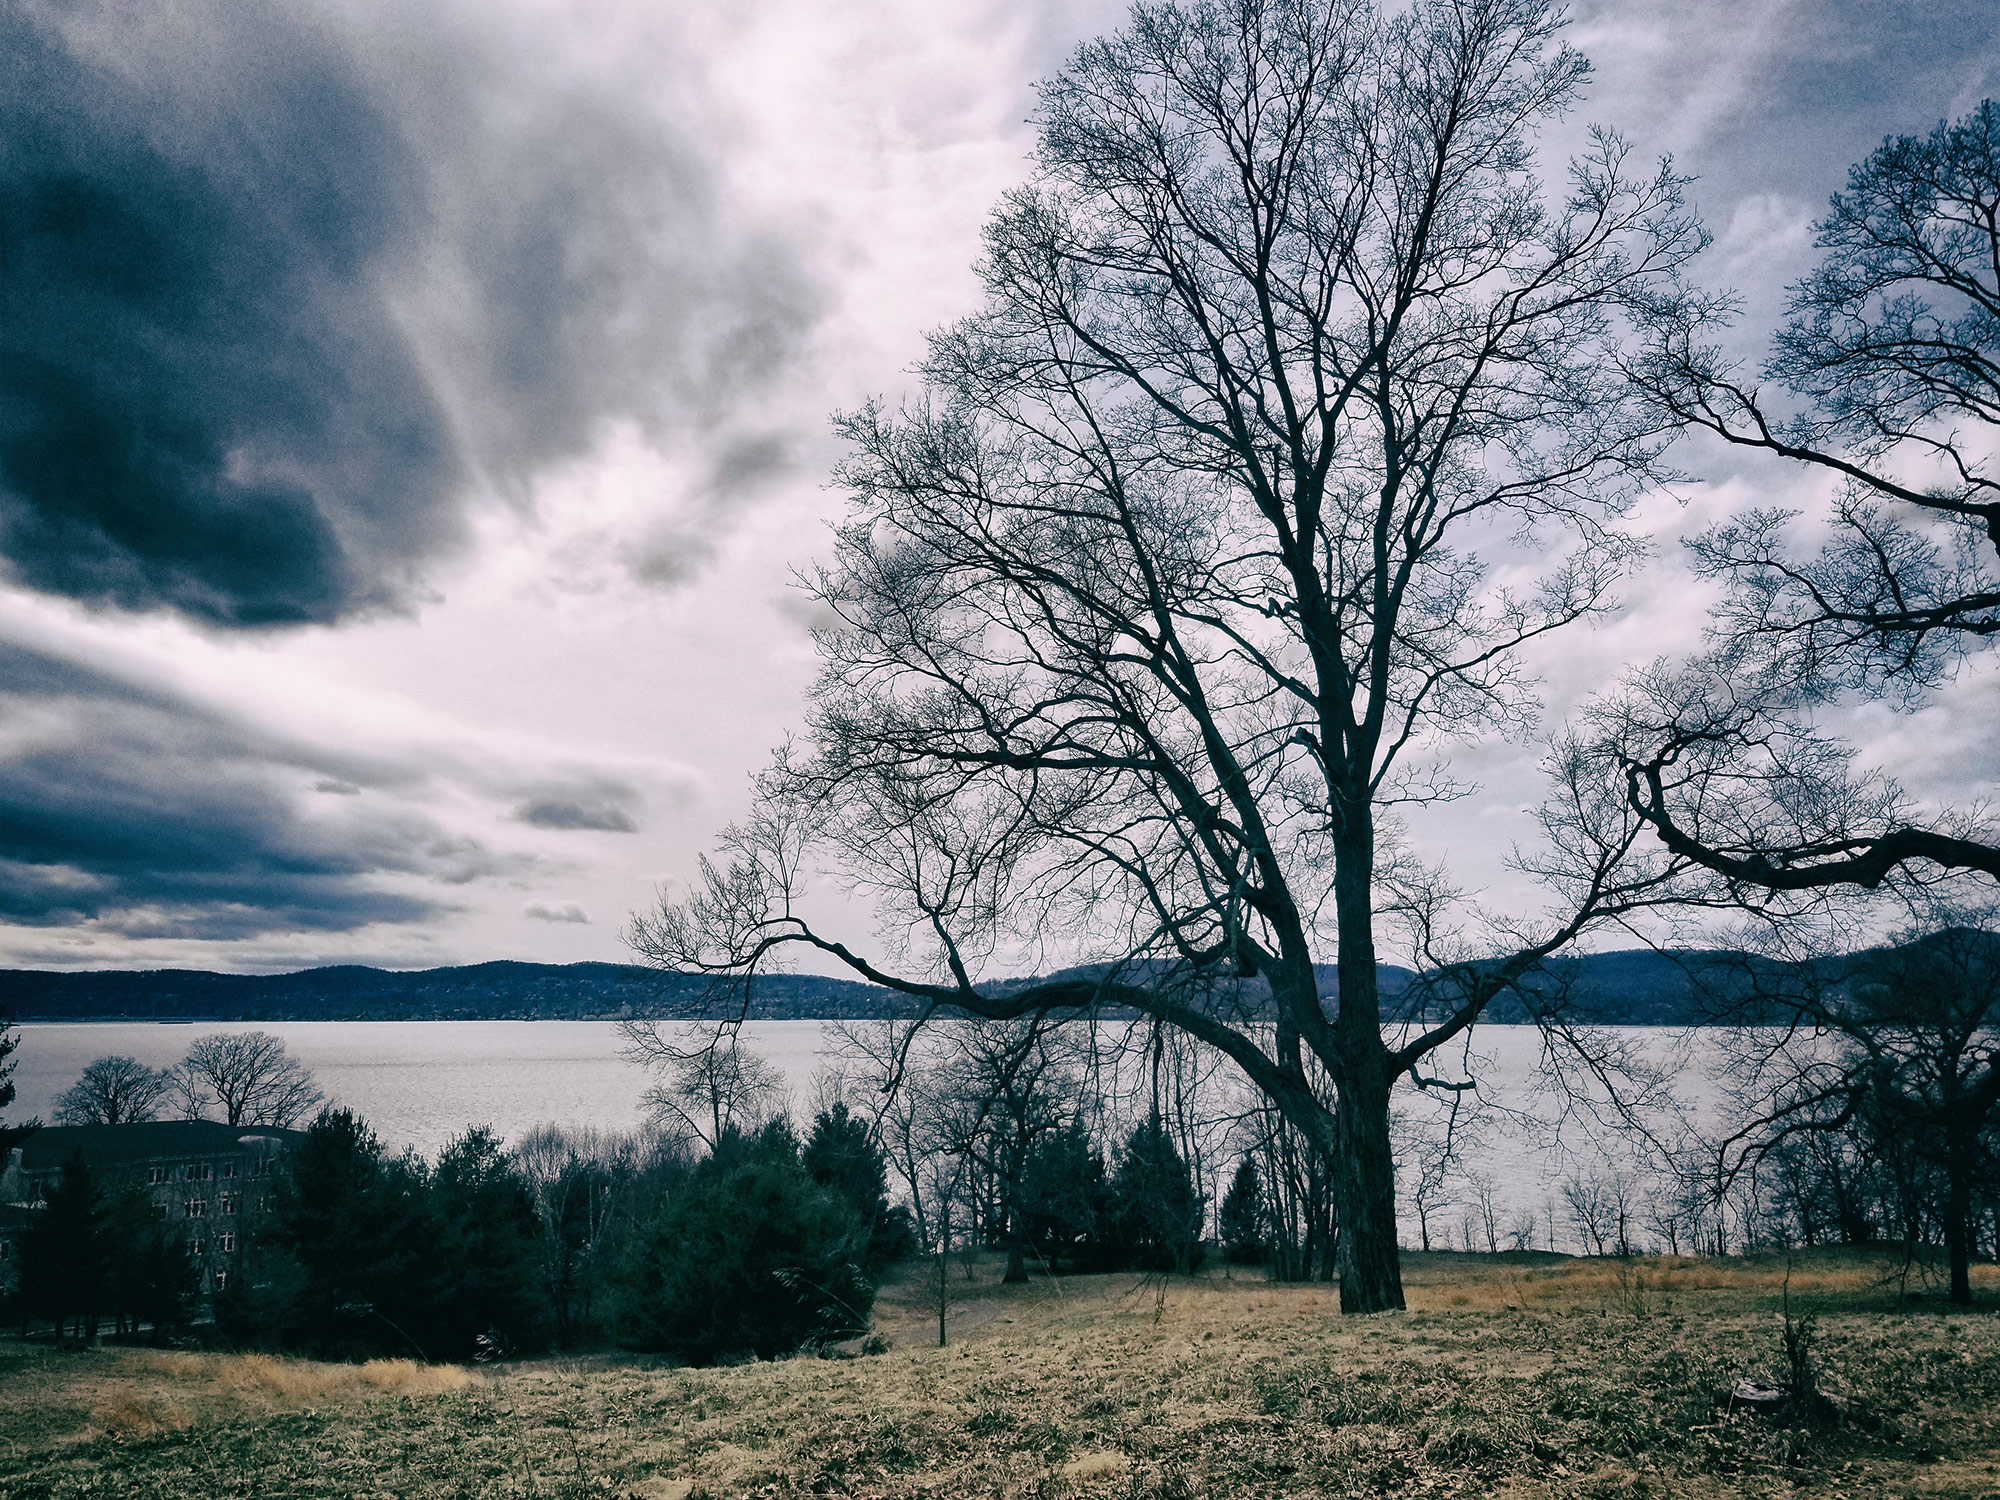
(212, 1181)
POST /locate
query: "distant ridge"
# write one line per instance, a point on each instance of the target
(1635, 987)
(500, 991)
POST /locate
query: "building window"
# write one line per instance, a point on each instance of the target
(197, 1207)
(155, 1176)
(196, 1247)
(221, 1281)
(226, 1243)
(229, 1169)
(159, 1210)
(228, 1203)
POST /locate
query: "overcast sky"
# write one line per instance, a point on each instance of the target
(410, 416)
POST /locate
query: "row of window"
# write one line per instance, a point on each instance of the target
(197, 1208)
(225, 1244)
(203, 1171)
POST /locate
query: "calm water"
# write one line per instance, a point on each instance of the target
(417, 1082)
(421, 1082)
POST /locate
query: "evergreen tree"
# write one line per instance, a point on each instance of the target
(1242, 1218)
(486, 1247)
(10, 1043)
(750, 1256)
(1065, 1200)
(357, 1225)
(151, 1278)
(66, 1253)
(1157, 1213)
(841, 1155)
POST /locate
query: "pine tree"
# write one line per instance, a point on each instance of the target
(1242, 1218)
(1065, 1200)
(66, 1253)
(841, 1155)
(1158, 1213)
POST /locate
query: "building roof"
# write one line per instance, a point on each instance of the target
(148, 1140)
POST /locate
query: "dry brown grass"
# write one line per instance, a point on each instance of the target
(129, 1413)
(1550, 1380)
(1447, 1280)
(280, 1381)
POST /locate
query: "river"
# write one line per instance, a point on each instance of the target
(418, 1083)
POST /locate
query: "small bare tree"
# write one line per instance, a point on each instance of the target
(1588, 1201)
(248, 1077)
(1521, 1231)
(114, 1090)
(577, 1179)
(1487, 1210)
(704, 1089)
(1428, 1162)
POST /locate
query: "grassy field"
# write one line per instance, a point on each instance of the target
(1509, 1376)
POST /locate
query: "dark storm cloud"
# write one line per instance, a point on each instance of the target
(598, 805)
(125, 807)
(280, 285)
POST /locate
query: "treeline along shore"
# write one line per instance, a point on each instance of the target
(1633, 988)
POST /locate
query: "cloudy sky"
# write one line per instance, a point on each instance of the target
(410, 417)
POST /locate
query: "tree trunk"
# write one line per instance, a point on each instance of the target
(1364, 1168)
(1371, 1273)
(1017, 1264)
(1958, 1224)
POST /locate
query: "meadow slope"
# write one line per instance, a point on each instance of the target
(1509, 1376)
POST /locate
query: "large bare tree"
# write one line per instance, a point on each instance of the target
(1885, 382)
(1170, 590)
(248, 1076)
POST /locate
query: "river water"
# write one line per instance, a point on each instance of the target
(421, 1082)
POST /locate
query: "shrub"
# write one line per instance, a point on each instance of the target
(750, 1256)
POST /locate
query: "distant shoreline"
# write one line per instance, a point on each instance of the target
(1640, 987)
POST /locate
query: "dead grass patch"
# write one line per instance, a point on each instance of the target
(131, 1413)
(1534, 1378)
(284, 1381)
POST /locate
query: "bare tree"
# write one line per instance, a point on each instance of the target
(113, 1090)
(578, 1179)
(1428, 1164)
(1891, 358)
(1521, 1231)
(704, 1089)
(1166, 596)
(249, 1077)
(1488, 1211)
(1898, 1048)
(1588, 1202)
